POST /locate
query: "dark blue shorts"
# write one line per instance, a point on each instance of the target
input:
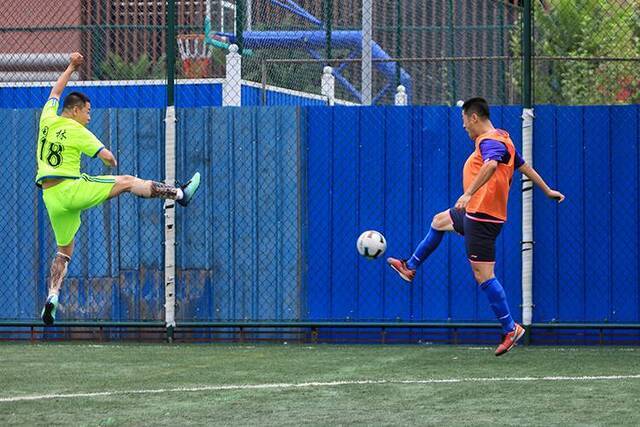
(479, 236)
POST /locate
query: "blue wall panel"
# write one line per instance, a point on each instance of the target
(319, 129)
(275, 179)
(597, 219)
(421, 165)
(624, 126)
(397, 211)
(545, 218)
(237, 255)
(571, 279)
(370, 206)
(431, 147)
(344, 180)
(407, 167)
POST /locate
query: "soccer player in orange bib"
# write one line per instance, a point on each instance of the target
(479, 213)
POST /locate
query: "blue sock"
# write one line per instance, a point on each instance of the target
(424, 249)
(498, 300)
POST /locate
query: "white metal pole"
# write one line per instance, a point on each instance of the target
(527, 219)
(328, 85)
(232, 85)
(367, 32)
(248, 15)
(401, 96)
(169, 223)
(207, 17)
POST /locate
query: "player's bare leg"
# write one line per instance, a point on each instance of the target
(153, 189)
(441, 222)
(56, 277)
(483, 271)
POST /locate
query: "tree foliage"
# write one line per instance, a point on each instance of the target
(585, 29)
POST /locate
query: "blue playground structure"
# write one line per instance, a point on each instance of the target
(314, 41)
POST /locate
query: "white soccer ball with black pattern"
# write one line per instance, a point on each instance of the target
(371, 244)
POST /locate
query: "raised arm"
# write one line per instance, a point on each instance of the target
(74, 62)
(531, 173)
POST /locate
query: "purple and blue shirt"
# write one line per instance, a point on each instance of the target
(496, 150)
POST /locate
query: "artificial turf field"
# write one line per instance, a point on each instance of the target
(176, 384)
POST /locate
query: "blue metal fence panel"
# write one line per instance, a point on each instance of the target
(363, 161)
(18, 221)
(398, 197)
(597, 220)
(384, 168)
(370, 205)
(586, 258)
(237, 254)
(570, 237)
(319, 130)
(404, 167)
(344, 213)
(624, 234)
(545, 220)
(432, 151)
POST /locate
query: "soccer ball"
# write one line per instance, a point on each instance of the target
(371, 244)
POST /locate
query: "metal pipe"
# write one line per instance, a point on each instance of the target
(33, 61)
(367, 33)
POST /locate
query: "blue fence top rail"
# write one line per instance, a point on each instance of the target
(153, 94)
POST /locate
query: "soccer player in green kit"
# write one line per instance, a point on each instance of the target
(62, 140)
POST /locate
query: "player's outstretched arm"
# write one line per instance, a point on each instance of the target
(107, 158)
(531, 173)
(74, 62)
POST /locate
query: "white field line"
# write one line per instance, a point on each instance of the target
(315, 385)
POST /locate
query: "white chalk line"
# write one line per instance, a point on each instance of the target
(314, 385)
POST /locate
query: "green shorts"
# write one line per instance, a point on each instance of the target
(66, 201)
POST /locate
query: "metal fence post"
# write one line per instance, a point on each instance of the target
(367, 32)
(232, 86)
(170, 177)
(527, 185)
(401, 96)
(328, 85)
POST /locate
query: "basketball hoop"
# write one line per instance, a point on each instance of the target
(195, 54)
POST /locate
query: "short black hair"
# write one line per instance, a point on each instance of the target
(480, 106)
(75, 99)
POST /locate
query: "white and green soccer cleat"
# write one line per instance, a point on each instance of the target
(189, 189)
(49, 310)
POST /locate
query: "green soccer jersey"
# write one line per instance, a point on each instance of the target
(61, 142)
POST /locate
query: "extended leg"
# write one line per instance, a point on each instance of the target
(56, 277)
(152, 189)
(407, 269)
(441, 223)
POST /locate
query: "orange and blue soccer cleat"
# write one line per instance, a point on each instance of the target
(400, 266)
(509, 340)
